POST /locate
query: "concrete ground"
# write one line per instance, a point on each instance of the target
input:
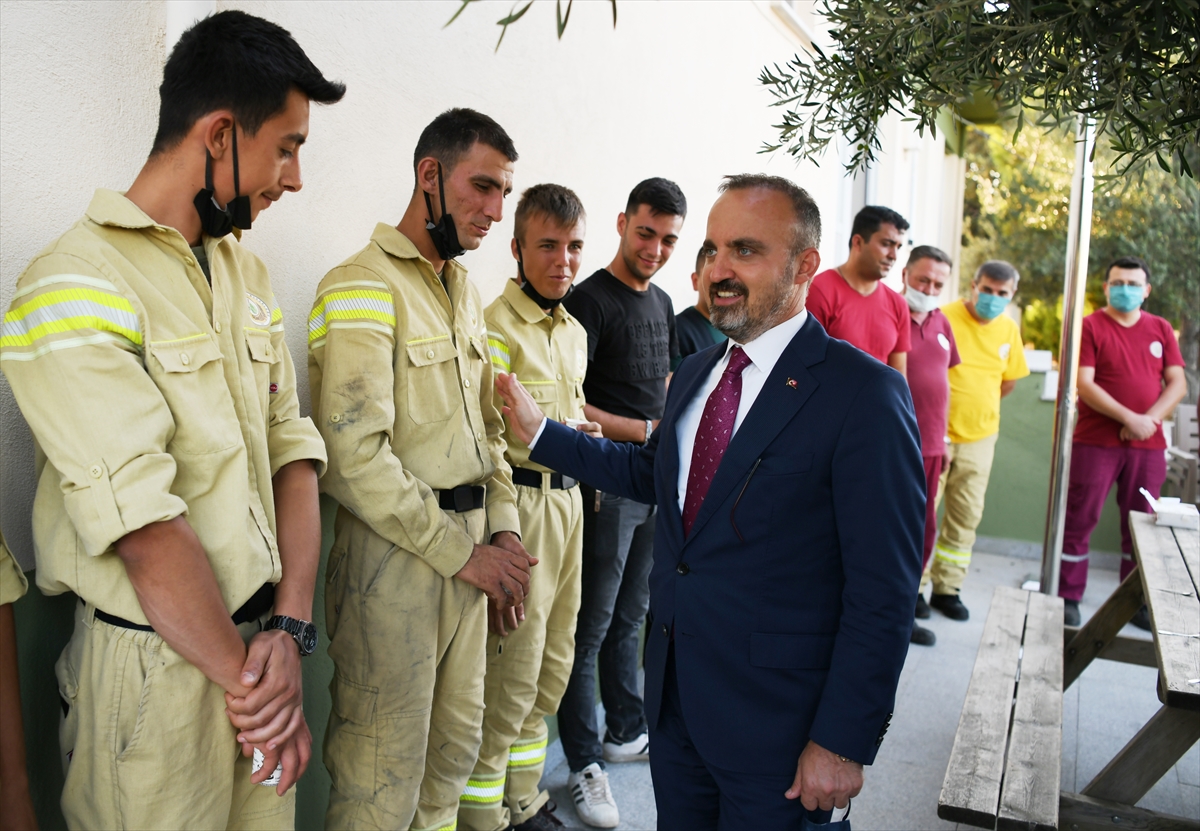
(1101, 711)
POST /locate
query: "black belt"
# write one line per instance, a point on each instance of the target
(461, 499)
(254, 608)
(533, 479)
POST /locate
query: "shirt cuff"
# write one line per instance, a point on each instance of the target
(294, 439)
(538, 434)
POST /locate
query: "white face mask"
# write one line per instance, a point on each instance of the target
(919, 302)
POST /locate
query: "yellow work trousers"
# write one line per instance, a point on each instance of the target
(527, 671)
(408, 651)
(146, 742)
(962, 486)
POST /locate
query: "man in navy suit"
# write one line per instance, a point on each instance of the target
(787, 469)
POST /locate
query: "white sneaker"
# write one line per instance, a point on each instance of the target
(637, 750)
(593, 797)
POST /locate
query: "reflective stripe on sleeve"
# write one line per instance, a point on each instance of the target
(93, 312)
(498, 349)
(355, 305)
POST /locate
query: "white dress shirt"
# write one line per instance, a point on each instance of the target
(763, 352)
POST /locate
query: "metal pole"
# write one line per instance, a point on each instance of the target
(1079, 234)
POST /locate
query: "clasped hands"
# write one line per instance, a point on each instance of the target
(1139, 427)
(269, 714)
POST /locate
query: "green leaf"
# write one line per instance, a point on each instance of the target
(614, 8)
(561, 18)
(464, 5)
(512, 18)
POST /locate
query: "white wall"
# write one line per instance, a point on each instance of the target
(672, 91)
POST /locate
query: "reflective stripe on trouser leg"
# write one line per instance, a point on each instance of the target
(480, 791)
(969, 466)
(408, 652)
(527, 671)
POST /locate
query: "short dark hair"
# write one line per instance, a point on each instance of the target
(868, 220)
(555, 201)
(998, 270)
(807, 232)
(928, 252)
(236, 61)
(662, 195)
(1128, 262)
(452, 134)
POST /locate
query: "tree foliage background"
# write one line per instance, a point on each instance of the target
(1016, 206)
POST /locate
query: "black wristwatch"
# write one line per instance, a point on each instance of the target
(304, 632)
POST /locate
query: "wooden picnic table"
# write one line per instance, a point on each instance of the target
(1167, 581)
(1004, 767)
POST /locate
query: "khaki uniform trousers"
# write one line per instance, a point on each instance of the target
(963, 485)
(527, 671)
(146, 742)
(407, 646)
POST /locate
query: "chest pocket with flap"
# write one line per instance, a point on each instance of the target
(433, 393)
(189, 375)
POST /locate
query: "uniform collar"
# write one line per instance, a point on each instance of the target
(397, 245)
(526, 308)
(110, 207)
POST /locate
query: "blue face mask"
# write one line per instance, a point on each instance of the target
(989, 306)
(1126, 298)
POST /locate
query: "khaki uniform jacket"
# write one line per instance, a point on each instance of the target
(402, 391)
(151, 395)
(548, 353)
(13, 584)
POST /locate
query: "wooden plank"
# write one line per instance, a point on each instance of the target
(1100, 631)
(1155, 749)
(1077, 812)
(1174, 609)
(1029, 797)
(971, 789)
(1123, 649)
(1189, 544)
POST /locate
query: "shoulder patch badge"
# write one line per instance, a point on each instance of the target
(259, 310)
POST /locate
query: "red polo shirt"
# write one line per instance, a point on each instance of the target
(1129, 366)
(933, 353)
(877, 324)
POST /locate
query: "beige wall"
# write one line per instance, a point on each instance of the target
(672, 91)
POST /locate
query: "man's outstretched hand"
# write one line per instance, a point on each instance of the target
(500, 570)
(524, 415)
(824, 781)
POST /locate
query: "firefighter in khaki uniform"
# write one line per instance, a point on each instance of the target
(402, 391)
(531, 334)
(177, 482)
(16, 807)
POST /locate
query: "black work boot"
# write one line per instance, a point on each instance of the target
(950, 605)
(543, 820)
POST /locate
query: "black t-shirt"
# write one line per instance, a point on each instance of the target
(631, 341)
(695, 334)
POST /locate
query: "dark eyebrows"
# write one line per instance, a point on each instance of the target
(295, 138)
(484, 179)
(746, 242)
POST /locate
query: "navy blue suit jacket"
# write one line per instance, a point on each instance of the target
(792, 598)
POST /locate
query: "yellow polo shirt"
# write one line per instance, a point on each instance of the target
(402, 393)
(547, 351)
(151, 395)
(991, 353)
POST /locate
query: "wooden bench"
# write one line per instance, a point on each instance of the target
(1006, 765)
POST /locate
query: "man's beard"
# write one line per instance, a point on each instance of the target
(745, 322)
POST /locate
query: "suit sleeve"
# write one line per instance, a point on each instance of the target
(613, 467)
(878, 453)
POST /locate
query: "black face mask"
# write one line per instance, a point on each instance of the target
(443, 232)
(544, 303)
(217, 222)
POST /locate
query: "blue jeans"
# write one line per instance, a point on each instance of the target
(618, 550)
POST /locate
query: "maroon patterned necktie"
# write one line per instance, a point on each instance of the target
(712, 437)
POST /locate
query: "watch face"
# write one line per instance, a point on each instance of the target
(308, 638)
